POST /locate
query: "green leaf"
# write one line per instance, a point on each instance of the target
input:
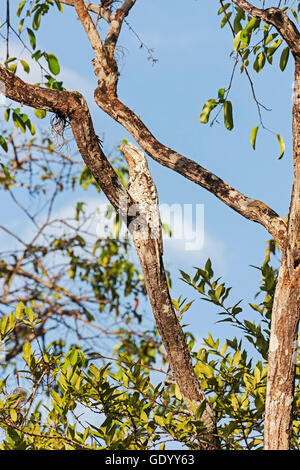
(236, 41)
(6, 172)
(259, 62)
(294, 14)
(177, 393)
(25, 66)
(79, 209)
(21, 25)
(256, 307)
(245, 37)
(160, 420)
(59, 6)
(30, 126)
(3, 143)
(19, 311)
(205, 369)
(270, 38)
(144, 416)
(53, 63)
(253, 136)
(225, 19)
(7, 114)
(185, 276)
(186, 307)
(228, 117)
(223, 349)
(11, 59)
(32, 38)
(57, 398)
(20, 8)
(11, 321)
(27, 351)
(18, 122)
(29, 314)
(273, 48)
(206, 110)
(12, 68)
(281, 145)
(252, 25)
(3, 325)
(36, 20)
(208, 268)
(200, 410)
(221, 93)
(222, 9)
(219, 291)
(13, 415)
(37, 55)
(40, 113)
(236, 358)
(72, 357)
(237, 25)
(284, 58)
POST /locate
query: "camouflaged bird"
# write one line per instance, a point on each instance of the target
(142, 189)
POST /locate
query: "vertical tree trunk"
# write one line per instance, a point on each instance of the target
(174, 342)
(286, 311)
(281, 367)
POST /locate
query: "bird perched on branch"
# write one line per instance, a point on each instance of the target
(143, 191)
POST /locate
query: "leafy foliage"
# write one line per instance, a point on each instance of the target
(129, 401)
(254, 41)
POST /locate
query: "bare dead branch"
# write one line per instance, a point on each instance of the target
(104, 63)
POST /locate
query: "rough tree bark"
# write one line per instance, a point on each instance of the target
(286, 311)
(286, 307)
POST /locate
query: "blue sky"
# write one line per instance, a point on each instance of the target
(193, 63)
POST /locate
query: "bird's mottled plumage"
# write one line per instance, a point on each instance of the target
(143, 191)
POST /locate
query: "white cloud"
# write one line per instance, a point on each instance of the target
(176, 256)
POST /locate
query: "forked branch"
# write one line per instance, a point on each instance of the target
(100, 11)
(106, 97)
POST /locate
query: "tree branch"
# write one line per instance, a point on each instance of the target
(106, 98)
(100, 11)
(72, 106)
(105, 66)
(116, 23)
(250, 208)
